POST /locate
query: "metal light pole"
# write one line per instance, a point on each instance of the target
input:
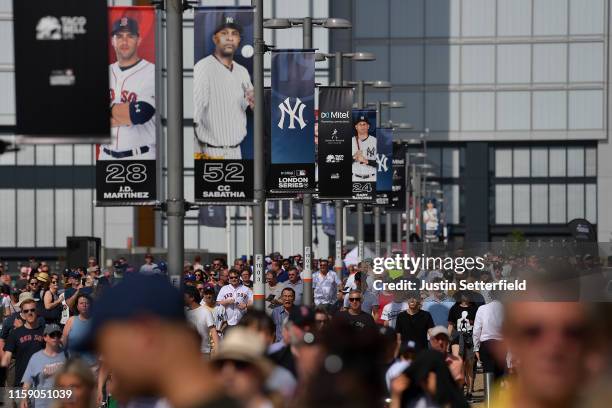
(175, 203)
(307, 24)
(259, 183)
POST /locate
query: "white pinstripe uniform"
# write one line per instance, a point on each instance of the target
(364, 172)
(219, 107)
(134, 84)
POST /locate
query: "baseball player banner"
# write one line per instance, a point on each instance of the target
(126, 167)
(335, 131)
(384, 159)
(223, 101)
(212, 216)
(398, 193)
(364, 146)
(60, 76)
(292, 147)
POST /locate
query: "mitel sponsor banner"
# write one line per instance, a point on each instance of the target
(60, 71)
(398, 188)
(223, 103)
(126, 166)
(384, 159)
(363, 152)
(334, 142)
(292, 147)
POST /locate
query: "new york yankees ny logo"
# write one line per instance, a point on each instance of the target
(381, 159)
(298, 107)
(370, 151)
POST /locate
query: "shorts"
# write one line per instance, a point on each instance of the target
(466, 347)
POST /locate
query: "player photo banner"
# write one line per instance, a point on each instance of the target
(398, 194)
(384, 159)
(335, 130)
(292, 144)
(126, 167)
(363, 152)
(223, 103)
(60, 71)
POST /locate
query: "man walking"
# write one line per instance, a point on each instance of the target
(325, 285)
(354, 315)
(281, 313)
(414, 324)
(235, 297)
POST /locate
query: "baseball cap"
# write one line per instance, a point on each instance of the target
(135, 296)
(439, 330)
(74, 275)
(51, 328)
(407, 347)
(302, 316)
(21, 284)
(43, 277)
(189, 277)
(209, 289)
(125, 24)
(362, 118)
(229, 22)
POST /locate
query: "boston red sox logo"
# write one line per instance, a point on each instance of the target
(126, 96)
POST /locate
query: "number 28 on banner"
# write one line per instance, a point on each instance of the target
(126, 181)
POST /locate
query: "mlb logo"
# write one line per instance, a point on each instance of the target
(301, 172)
(229, 20)
(124, 22)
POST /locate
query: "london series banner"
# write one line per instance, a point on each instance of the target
(335, 130)
(398, 194)
(223, 103)
(384, 159)
(363, 152)
(60, 71)
(126, 167)
(292, 146)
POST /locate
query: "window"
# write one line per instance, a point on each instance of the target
(539, 162)
(550, 17)
(451, 203)
(591, 161)
(539, 204)
(549, 62)
(503, 204)
(549, 110)
(557, 203)
(591, 203)
(7, 217)
(513, 111)
(513, 63)
(557, 162)
(44, 218)
(575, 201)
(521, 162)
(575, 162)
(503, 162)
(450, 162)
(514, 17)
(521, 204)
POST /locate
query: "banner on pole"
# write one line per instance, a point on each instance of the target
(292, 147)
(60, 71)
(398, 193)
(384, 160)
(223, 104)
(126, 167)
(212, 216)
(363, 152)
(335, 130)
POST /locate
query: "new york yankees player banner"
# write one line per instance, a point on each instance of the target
(335, 130)
(126, 167)
(292, 147)
(398, 194)
(384, 159)
(223, 104)
(363, 153)
(60, 71)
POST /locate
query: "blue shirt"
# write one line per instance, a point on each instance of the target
(279, 314)
(438, 310)
(283, 276)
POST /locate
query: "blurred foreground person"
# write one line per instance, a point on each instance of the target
(139, 329)
(242, 364)
(76, 376)
(427, 383)
(552, 346)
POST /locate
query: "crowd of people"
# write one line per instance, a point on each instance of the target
(125, 336)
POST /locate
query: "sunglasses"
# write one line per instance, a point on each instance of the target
(55, 335)
(358, 299)
(239, 365)
(233, 277)
(27, 311)
(34, 283)
(53, 281)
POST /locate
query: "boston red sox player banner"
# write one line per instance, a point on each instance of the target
(125, 167)
(384, 158)
(223, 104)
(60, 71)
(292, 147)
(364, 147)
(334, 142)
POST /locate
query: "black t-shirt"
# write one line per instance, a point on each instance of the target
(360, 321)
(414, 327)
(24, 342)
(462, 318)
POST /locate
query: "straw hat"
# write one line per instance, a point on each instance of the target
(239, 344)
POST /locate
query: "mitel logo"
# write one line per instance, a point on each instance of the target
(295, 113)
(334, 115)
(63, 28)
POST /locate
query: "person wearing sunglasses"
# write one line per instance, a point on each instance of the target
(43, 365)
(354, 315)
(52, 301)
(24, 341)
(235, 297)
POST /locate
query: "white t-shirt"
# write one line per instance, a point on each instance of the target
(219, 315)
(391, 310)
(240, 294)
(202, 320)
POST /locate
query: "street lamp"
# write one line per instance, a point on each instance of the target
(307, 24)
